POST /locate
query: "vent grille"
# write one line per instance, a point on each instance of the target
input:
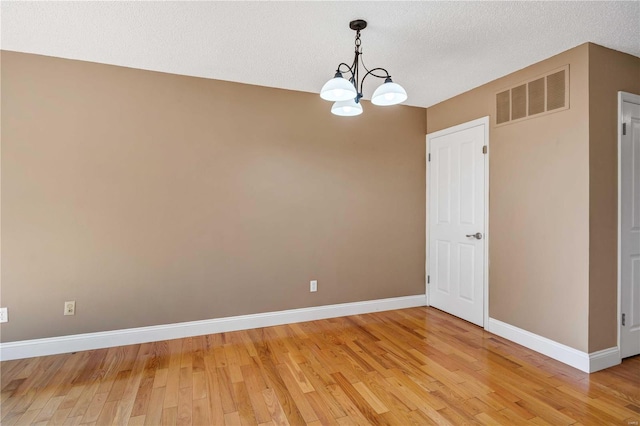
(503, 107)
(555, 90)
(536, 96)
(543, 94)
(519, 102)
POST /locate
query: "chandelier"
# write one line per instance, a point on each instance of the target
(347, 92)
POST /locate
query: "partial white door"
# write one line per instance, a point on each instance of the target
(456, 220)
(630, 227)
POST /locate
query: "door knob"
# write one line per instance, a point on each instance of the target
(477, 235)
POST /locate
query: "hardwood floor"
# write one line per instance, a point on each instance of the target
(413, 366)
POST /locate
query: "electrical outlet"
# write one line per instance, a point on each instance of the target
(70, 307)
(4, 314)
(313, 286)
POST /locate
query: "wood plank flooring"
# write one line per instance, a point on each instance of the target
(414, 366)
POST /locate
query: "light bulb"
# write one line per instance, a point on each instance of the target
(389, 93)
(347, 108)
(338, 89)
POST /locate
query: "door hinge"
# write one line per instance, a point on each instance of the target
(624, 129)
(429, 157)
(428, 279)
(623, 319)
(484, 149)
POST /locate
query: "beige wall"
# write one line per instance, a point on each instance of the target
(538, 204)
(152, 198)
(553, 200)
(609, 72)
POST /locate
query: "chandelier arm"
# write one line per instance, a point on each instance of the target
(349, 68)
(353, 71)
(363, 65)
(375, 75)
(386, 73)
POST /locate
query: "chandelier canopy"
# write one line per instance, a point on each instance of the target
(347, 92)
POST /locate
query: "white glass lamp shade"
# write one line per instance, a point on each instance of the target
(389, 93)
(347, 108)
(338, 89)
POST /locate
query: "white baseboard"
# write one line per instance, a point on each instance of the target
(130, 336)
(604, 359)
(586, 362)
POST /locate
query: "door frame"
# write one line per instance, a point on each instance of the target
(484, 121)
(622, 98)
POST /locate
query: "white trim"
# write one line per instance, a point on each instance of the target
(486, 223)
(550, 348)
(632, 98)
(484, 121)
(604, 359)
(426, 219)
(459, 127)
(588, 363)
(131, 336)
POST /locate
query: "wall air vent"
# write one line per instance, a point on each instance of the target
(539, 96)
(519, 102)
(503, 107)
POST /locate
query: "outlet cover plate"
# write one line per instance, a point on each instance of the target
(70, 307)
(4, 315)
(313, 286)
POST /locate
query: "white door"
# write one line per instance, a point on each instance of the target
(456, 220)
(630, 227)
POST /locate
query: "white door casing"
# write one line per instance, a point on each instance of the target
(629, 225)
(456, 217)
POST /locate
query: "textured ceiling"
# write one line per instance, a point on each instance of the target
(434, 49)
